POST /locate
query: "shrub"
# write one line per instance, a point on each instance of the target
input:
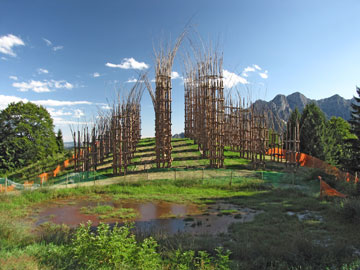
(350, 209)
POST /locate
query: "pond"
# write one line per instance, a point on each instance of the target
(148, 217)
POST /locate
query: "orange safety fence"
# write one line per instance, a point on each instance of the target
(6, 189)
(57, 170)
(45, 176)
(276, 151)
(306, 160)
(326, 190)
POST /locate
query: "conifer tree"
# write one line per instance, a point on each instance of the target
(354, 164)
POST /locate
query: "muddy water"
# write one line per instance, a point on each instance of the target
(162, 217)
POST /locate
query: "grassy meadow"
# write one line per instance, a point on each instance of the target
(294, 229)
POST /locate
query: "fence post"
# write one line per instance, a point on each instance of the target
(231, 178)
(202, 176)
(174, 174)
(6, 183)
(147, 174)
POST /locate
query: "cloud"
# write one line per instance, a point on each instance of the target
(62, 122)
(232, 79)
(13, 78)
(264, 75)
(129, 63)
(42, 71)
(6, 100)
(257, 67)
(41, 86)
(106, 107)
(56, 48)
(175, 75)
(132, 80)
(78, 113)
(36, 86)
(48, 42)
(8, 42)
(53, 112)
(58, 103)
(96, 74)
(249, 69)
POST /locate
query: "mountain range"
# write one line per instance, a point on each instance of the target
(279, 109)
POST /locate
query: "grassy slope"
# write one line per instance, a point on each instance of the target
(274, 240)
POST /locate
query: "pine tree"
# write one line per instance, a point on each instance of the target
(59, 141)
(354, 164)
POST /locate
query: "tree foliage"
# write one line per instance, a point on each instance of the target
(60, 141)
(354, 163)
(312, 131)
(337, 135)
(26, 135)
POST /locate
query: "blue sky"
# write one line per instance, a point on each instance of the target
(73, 56)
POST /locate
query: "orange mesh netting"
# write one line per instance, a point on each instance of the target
(9, 188)
(57, 170)
(326, 190)
(313, 162)
(43, 177)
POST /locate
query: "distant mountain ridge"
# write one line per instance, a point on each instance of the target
(279, 109)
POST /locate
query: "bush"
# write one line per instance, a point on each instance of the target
(350, 209)
(117, 248)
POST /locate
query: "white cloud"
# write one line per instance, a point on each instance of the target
(106, 107)
(62, 122)
(257, 67)
(36, 86)
(8, 42)
(58, 103)
(96, 74)
(60, 84)
(6, 100)
(129, 63)
(53, 112)
(232, 79)
(56, 48)
(48, 42)
(175, 75)
(42, 71)
(41, 86)
(249, 69)
(132, 80)
(3, 58)
(13, 78)
(264, 75)
(78, 113)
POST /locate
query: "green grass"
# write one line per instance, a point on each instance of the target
(275, 239)
(109, 212)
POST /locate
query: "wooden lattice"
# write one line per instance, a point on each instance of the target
(116, 134)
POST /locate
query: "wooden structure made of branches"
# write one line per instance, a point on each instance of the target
(161, 99)
(204, 107)
(115, 134)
